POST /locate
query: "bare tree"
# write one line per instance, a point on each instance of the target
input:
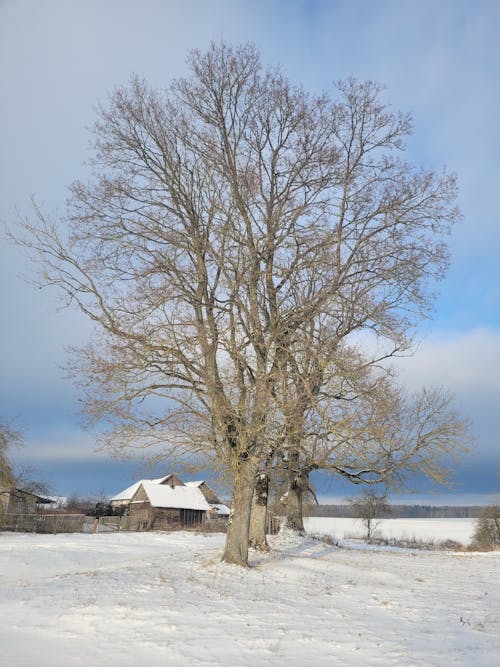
(369, 507)
(23, 477)
(28, 478)
(355, 422)
(487, 529)
(225, 218)
(382, 438)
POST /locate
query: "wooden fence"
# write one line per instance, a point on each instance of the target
(79, 523)
(45, 523)
(67, 523)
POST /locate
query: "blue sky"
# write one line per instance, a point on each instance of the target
(438, 60)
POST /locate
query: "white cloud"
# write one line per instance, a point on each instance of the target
(468, 365)
(467, 362)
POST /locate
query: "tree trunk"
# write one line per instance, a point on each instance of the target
(237, 537)
(258, 516)
(293, 505)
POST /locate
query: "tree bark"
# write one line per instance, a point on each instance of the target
(293, 505)
(237, 537)
(258, 515)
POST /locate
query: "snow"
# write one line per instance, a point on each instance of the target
(128, 599)
(460, 530)
(130, 491)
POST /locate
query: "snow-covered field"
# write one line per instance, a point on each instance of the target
(460, 530)
(151, 599)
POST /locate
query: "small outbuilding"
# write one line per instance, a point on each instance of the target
(18, 501)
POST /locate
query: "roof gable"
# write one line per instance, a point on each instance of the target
(179, 497)
(210, 495)
(130, 491)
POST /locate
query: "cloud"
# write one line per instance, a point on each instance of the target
(466, 361)
(59, 443)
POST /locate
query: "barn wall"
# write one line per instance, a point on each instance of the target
(173, 518)
(4, 501)
(141, 512)
(163, 518)
(21, 503)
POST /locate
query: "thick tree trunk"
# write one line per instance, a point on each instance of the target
(293, 505)
(237, 537)
(293, 508)
(258, 516)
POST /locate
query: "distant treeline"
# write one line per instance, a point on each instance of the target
(402, 511)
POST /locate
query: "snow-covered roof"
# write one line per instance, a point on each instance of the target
(160, 480)
(181, 497)
(24, 492)
(130, 491)
(195, 484)
(222, 510)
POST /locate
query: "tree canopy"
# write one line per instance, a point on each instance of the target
(236, 241)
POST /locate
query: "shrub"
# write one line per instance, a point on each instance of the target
(369, 508)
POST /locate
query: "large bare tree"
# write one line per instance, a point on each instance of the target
(225, 217)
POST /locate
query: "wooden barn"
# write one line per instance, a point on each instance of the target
(168, 503)
(165, 507)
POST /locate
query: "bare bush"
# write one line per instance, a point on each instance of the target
(369, 508)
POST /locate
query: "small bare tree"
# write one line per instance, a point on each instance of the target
(369, 508)
(487, 529)
(23, 477)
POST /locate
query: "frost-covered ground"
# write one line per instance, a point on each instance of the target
(460, 530)
(120, 600)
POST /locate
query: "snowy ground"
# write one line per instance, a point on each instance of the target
(460, 530)
(130, 599)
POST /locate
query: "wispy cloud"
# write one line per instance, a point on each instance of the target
(59, 444)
